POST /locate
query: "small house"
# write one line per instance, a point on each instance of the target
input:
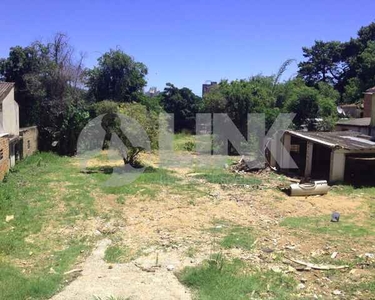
(15, 143)
(362, 124)
(338, 156)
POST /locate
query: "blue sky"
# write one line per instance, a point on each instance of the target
(188, 42)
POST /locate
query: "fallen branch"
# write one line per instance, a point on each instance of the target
(150, 270)
(73, 271)
(317, 267)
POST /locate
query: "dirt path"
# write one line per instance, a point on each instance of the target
(128, 281)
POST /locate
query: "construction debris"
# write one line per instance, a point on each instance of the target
(73, 271)
(9, 218)
(334, 254)
(249, 166)
(317, 267)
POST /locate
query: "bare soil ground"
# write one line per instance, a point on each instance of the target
(167, 231)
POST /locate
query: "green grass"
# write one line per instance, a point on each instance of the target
(184, 142)
(28, 195)
(31, 192)
(367, 289)
(191, 252)
(145, 184)
(322, 225)
(115, 254)
(41, 284)
(231, 280)
(348, 190)
(238, 237)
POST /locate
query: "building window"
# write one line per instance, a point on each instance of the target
(28, 144)
(294, 148)
(1, 154)
(1, 107)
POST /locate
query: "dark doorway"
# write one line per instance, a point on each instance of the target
(360, 169)
(321, 162)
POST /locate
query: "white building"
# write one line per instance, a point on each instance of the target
(9, 118)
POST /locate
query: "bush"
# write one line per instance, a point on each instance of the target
(112, 124)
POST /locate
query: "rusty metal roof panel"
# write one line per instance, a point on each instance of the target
(360, 122)
(349, 140)
(370, 91)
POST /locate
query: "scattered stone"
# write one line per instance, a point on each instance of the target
(276, 269)
(303, 280)
(110, 267)
(170, 267)
(267, 250)
(290, 247)
(108, 228)
(301, 286)
(52, 271)
(337, 292)
(369, 255)
(334, 254)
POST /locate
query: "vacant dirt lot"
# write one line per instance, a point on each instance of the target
(146, 234)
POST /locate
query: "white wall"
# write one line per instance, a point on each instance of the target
(10, 115)
(337, 169)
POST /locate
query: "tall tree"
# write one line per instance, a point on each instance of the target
(324, 64)
(117, 77)
(183, 103)
(348, 66)
(48, 79)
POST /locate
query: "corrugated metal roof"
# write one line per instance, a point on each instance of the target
(5, 88)
(370, 91)
(349, 140)
(360, 122)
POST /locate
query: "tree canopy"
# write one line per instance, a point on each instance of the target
(348, 66)
(118, 77)
(183, 103)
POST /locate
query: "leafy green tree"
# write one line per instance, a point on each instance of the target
(17, 68)
(324, 64)
(183, 103)
(48, 81)
(348, 66)
(309, 103)
(117, 77)
(240, 97)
